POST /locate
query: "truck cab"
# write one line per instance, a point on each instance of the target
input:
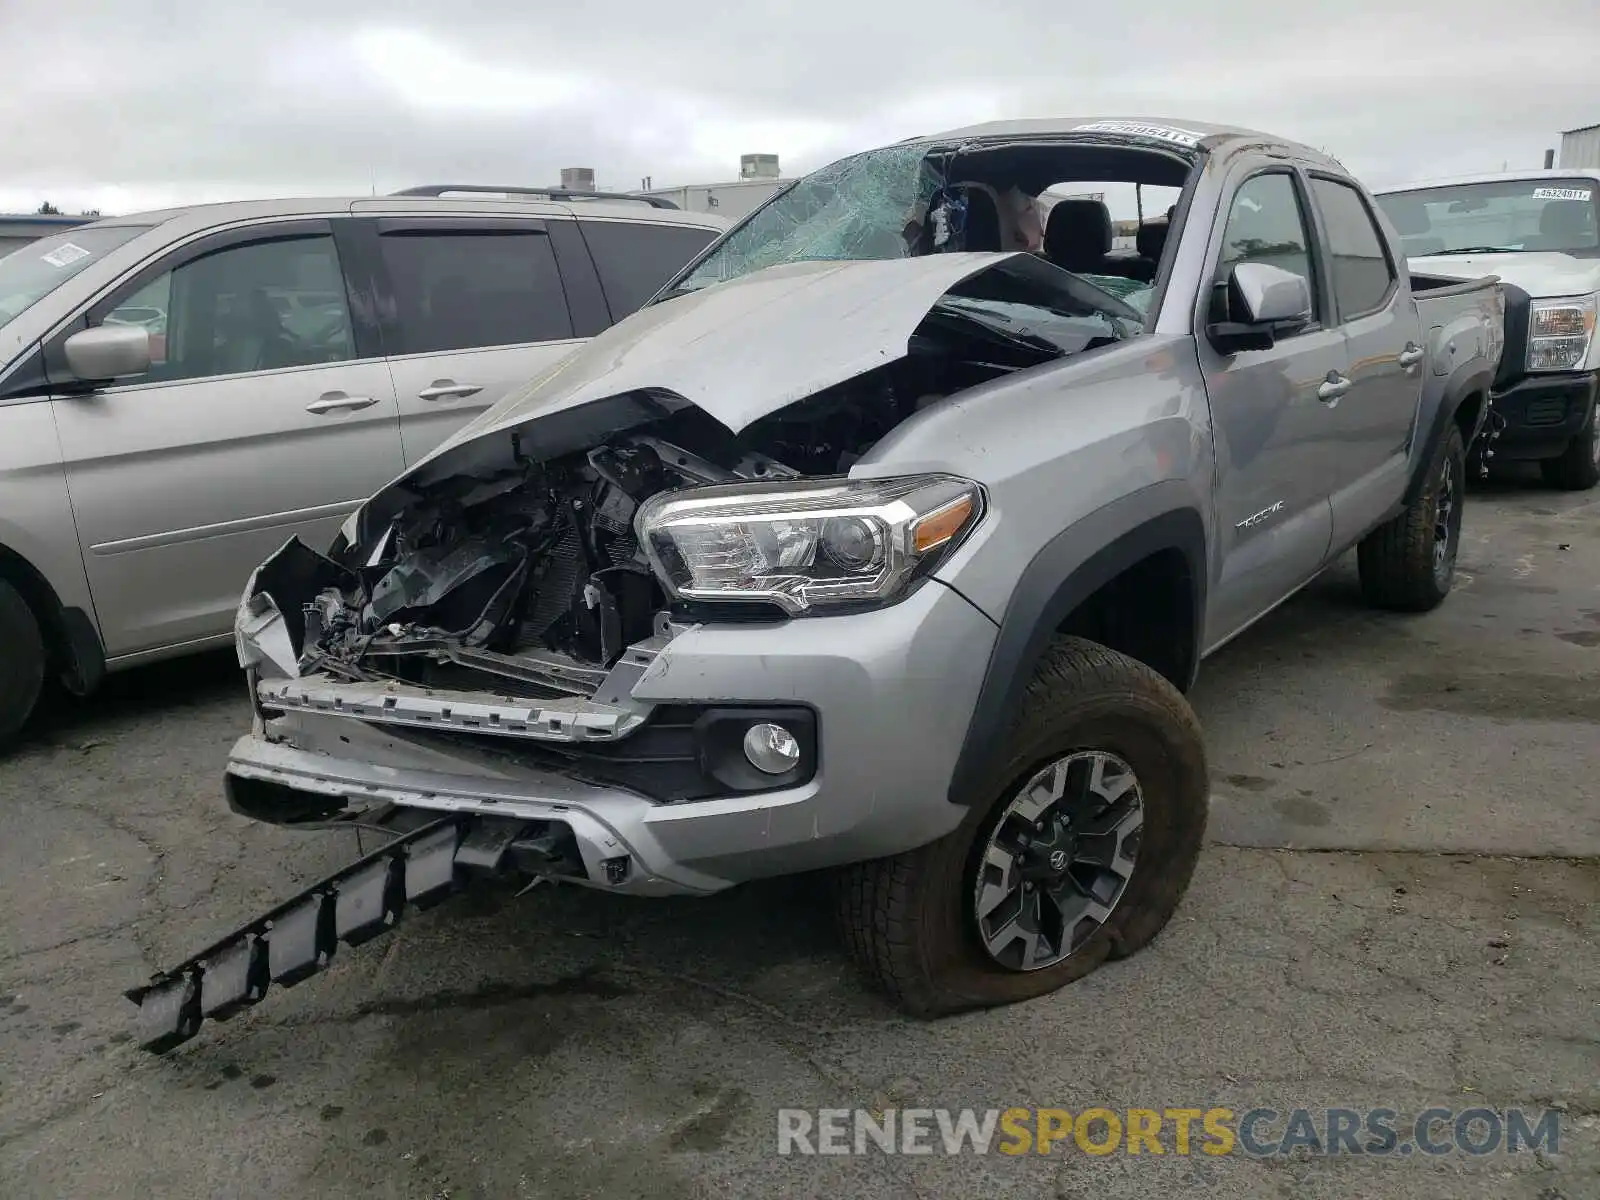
(1539, 232)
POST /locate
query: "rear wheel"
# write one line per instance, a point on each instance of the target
(22, 662)
(1577, 469)
(1409, 563)
(1079, 850)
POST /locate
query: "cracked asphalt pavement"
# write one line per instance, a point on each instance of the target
(1399, 908)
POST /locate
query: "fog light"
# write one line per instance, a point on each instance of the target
(771, 749)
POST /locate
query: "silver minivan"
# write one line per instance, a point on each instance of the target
(182, 391)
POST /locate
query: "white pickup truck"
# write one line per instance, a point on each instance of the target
(1539, 231)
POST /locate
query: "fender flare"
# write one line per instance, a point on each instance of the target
(1069, 569)
(1467, 382)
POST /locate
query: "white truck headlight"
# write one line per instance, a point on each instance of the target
(801, 545)
(1559, 333)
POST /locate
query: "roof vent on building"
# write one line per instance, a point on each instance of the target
(577, 179)
(758, 166)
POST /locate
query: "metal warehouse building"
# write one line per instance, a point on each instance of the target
(1580, 148)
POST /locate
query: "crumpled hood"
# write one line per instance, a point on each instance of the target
(1540, 273)
(748, 347)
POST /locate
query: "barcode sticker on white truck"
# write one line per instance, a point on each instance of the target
(64, 254)
(1549, 193)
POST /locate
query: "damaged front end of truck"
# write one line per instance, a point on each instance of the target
(476, 649)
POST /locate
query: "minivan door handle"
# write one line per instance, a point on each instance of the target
(339, 402)
(1411, 355)
(1333, 387)
(441, 388)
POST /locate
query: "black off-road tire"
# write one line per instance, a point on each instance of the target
(1400, 568)
(1577, 468)
(22, 662)
(908, 920)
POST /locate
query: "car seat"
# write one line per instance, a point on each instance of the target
(1077, 235)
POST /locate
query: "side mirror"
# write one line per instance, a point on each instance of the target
(1269, 297)
(104, 352)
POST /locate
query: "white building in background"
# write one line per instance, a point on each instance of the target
(759, 178)
(1580, 148)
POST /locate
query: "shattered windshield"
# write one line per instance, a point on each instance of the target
(857, 208)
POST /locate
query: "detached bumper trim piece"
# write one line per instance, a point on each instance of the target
(298, 938)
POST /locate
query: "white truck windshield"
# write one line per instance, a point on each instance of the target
(1505, 215)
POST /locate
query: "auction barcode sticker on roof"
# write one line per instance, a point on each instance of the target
(64, 254)
(1550, 193)
(1165, 133)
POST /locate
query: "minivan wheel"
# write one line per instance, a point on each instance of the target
(1577, 469)
(22, 662)
(1078, 851)
(1408, 564)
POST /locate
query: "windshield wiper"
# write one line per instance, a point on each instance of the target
(1474, 250)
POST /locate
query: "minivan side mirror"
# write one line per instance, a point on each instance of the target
(1269, 297)
(106, 352)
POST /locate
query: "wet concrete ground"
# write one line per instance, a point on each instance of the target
(1357, 935)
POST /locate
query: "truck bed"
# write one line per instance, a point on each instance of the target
(1464, 322)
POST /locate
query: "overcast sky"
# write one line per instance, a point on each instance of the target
(136, 105)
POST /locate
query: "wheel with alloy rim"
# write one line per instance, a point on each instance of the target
(1578, 468)
(1078, 849)
(1059, 860)
(1408, 564)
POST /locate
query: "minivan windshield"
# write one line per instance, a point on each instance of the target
(31, 273)
(856, 208)
(1502, 216)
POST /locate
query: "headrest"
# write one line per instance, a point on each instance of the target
(1567, 219)
(1409, 216)
(1078, 233)
(1152, 238)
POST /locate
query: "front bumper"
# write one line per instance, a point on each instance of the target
(1542, 413)
(892, 692)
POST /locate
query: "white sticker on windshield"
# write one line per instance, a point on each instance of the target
(1560, 193)
(1165, 133)
(64, 254)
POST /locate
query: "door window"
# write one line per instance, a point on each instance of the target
(1265, 225)
(261, 306)
(462, 289)
(635, 258)
(1361, 272)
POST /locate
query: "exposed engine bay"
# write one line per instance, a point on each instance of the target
(535, 574)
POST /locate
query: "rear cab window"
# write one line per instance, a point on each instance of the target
(1362, 274)
(635, 258)
(460, 288)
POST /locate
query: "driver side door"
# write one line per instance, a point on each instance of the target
(268, 412)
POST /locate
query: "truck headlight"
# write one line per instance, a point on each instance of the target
(801, 545)
(1559, 332)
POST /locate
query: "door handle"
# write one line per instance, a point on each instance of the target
(440, 388)
(1331, 388)
(1411, 355)
(339, 402)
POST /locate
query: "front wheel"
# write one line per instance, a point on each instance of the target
(1079, 850)
(22, 662)
(1577, 469)
(1409, 563)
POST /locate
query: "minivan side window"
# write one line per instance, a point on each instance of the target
(634, 258)
(1360, 269)
(1265, 225)
(260, 306)
(459, 289)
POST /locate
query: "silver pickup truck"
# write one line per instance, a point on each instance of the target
(872, 543)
